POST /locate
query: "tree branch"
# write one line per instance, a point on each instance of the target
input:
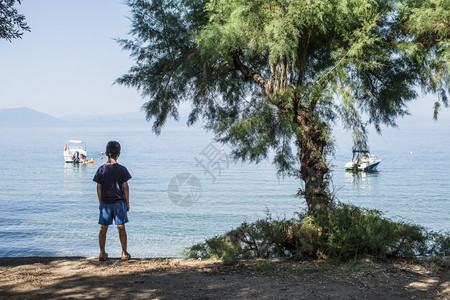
(249, 73)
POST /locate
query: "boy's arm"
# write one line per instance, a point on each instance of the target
(99, 194)
(126, 190)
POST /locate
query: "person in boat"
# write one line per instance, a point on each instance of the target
(114, 198)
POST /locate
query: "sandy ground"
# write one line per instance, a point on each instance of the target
(87, 278)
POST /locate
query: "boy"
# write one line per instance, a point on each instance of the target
(114, 198)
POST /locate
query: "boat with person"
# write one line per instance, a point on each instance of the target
(362, 160)
(75, 152)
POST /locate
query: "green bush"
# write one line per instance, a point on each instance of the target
(340, 232)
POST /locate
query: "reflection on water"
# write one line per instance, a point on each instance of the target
(364, 180)
(73, 171)
(76, 176)
(70, 168)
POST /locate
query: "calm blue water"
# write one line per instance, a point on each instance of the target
(48, 207)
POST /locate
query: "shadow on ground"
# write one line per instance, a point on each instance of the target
(55, 278)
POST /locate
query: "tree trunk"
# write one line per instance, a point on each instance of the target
(313, 169)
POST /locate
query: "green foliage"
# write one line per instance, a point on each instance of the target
(275, 76)
(428, 24)
(234, 58)
(344, 232)
(12, 24)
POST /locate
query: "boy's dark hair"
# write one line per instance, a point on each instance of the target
(112, 149)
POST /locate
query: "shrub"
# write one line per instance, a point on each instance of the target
(341, 232)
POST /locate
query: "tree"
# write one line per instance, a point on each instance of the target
(12, 24)
(428, 23)
(276, 75)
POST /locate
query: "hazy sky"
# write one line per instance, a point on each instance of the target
(68, 62)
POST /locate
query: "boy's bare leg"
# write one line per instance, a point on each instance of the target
(102, 239)
(123, 238)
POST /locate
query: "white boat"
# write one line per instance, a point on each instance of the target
(75, 152)
(362, 160)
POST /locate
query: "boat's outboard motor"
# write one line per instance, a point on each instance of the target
(76, 157)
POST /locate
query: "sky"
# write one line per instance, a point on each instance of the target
(69, 61)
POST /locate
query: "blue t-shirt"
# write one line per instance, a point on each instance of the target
(112, 177)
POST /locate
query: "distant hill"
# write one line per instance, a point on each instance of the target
(26, 117)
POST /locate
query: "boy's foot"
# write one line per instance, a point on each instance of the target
(127, 256)
(103, 257)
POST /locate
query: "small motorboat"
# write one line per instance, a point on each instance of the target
(75, 152)
(362, 160)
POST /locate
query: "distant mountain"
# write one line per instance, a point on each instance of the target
(26, 117)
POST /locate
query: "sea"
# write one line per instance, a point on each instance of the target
(186, 188)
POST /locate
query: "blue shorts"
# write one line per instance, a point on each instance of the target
(110, 211)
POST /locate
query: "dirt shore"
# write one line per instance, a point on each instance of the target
(87, 278)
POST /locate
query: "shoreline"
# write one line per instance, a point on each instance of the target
(174, 278)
